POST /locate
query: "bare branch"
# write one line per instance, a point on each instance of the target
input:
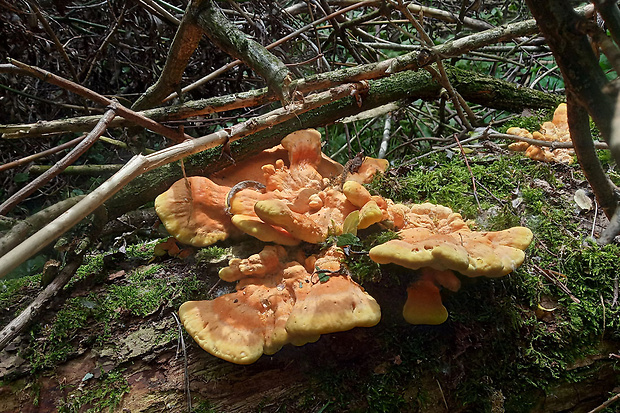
(140, 164)
(129, 114)
(71, 157)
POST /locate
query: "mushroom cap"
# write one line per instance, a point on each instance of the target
(256, 265)
(251, 168)
(438, 238)
(338, 304)
(312, 225)
(193, 211)
(557, 130)
(240, 327)
(356, 193)
(253, 226)
(276, 212)
(370, 214)
(303, 147)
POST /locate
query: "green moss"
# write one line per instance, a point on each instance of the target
(210, 253)
(142, 251)
(97, 395)
(140, 294)
(92, 265)
(13, 290)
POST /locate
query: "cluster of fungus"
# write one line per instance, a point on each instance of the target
(292, 194)
(554, 131)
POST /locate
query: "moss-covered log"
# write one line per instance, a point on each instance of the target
(409, 85)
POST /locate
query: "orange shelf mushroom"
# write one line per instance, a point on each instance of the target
(294, 196)
(193, 211)
(298, 199)
(424, 305)
(437, 240)
(282, 303)
(435, 236)
(554, 131)
(298, 194)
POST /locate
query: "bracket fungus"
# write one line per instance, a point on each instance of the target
(299, 203)
(193, 211)
(434, 237)
(554, 131)
(297, 194)
(277, 303)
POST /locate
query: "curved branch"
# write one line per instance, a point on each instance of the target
(579, 127)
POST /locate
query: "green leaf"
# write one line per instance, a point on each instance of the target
(323, 277)
(348, 239)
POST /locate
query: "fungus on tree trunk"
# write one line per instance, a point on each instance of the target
(438, 241)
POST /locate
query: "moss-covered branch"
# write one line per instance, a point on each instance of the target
(234, 42)
(410, 85)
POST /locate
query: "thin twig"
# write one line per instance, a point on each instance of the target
(96, 97)
(71, 157)
(42, 154)
(606, 404)
(550, 144)
(553, 277)
(51, 34)
(185, 370)
(104, 44)
(471, 174)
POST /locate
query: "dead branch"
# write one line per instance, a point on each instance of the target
(88, 170)
(140, 164)
(183, 45)
(537, 142)
(71, 157)
(234, 42)
(22, 229)
(576, 59)
(129, 114)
